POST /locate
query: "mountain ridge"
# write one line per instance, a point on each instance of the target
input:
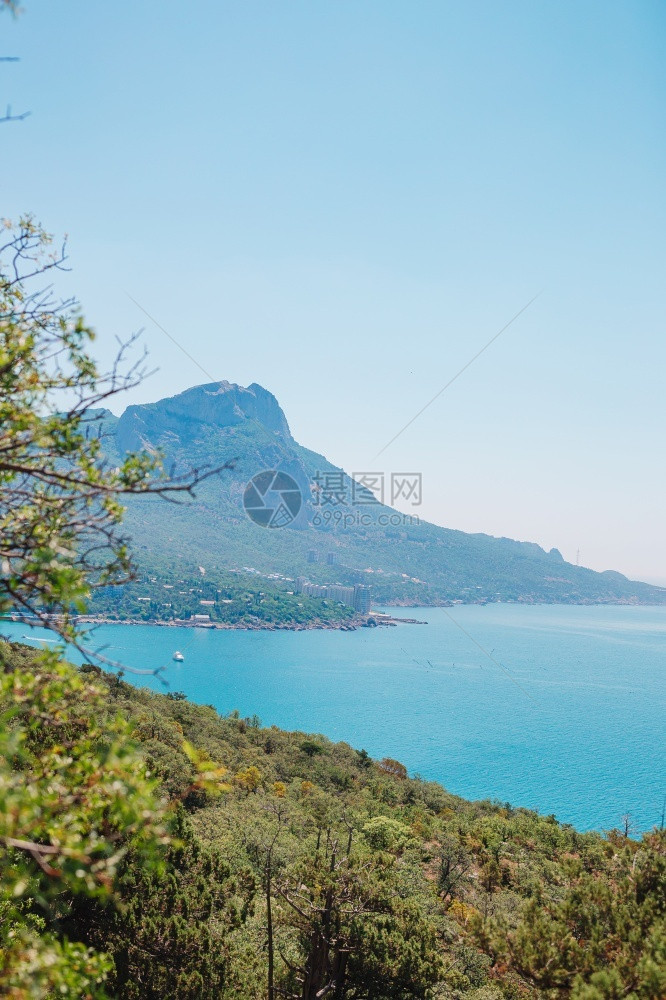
(406, 561)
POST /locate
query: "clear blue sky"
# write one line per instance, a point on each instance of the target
(344, 201)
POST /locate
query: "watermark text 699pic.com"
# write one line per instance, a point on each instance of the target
(342, 500)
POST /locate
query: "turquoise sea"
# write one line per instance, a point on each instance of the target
(568, 717)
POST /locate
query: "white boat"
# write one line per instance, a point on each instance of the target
(178, 657)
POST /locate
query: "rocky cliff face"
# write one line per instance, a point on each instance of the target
(180, 420)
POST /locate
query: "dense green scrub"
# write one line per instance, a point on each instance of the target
(297, 867)
(229, 599)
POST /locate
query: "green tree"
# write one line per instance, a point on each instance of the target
(73, 800)
(356, 935)
(60, 500)
(605, 937)
(168, 933)
(74, 793)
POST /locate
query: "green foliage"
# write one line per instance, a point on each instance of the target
(34, 963)
(359, 875)
(352, 930)
(74, 794)
(311, 748)
(383, 833)
(169, 930)
(175, 591)
(602, 937)
(426, 893)
(60, 498)
(74, 798)
(53, 486)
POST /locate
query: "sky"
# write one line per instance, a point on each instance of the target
(344, 202)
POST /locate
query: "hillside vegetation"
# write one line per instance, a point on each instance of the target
(238, 600)
(297, 867)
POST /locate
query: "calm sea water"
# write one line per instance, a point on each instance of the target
(570, 720)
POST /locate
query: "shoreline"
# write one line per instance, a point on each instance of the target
(372, 621)
(375, 619)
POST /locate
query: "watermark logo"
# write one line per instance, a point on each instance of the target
(272, 499)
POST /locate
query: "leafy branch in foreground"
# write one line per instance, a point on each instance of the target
(60, 499)
(75, 796)
(73, 800)
(81, 813)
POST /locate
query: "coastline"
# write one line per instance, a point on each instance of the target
(377, 620)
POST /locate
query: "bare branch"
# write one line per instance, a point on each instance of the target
(60, 496)
(9, 117)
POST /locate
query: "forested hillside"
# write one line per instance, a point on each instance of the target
(295, 867)
(234, 599)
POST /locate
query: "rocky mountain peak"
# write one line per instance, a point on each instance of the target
(188, 414)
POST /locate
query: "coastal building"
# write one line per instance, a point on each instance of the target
(331, 558)
(361, 599)
(357, 597)
(313, 556)
(345, 595)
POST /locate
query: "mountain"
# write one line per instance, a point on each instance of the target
(314, 507)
